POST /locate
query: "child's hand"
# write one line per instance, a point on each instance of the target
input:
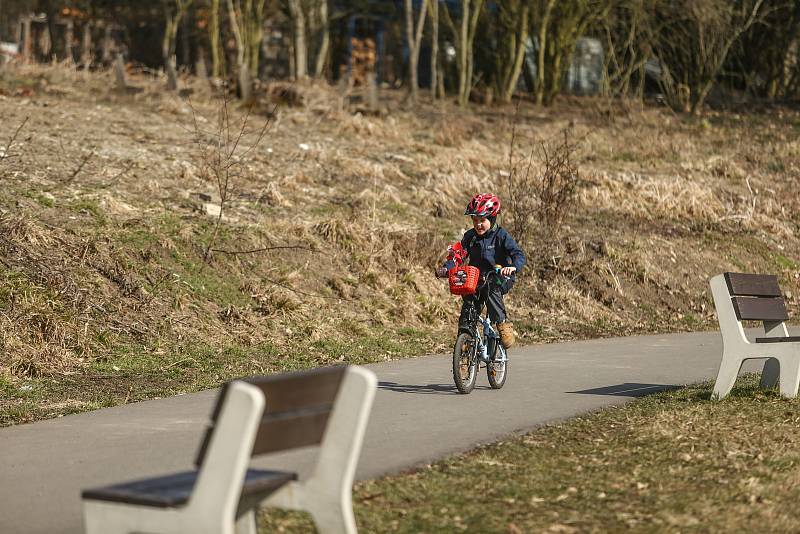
(508, 271)
(441, 272)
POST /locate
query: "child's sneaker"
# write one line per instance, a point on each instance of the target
(506, 330)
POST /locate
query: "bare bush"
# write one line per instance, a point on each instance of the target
(540, 201)
(692, 41)
(222, 153)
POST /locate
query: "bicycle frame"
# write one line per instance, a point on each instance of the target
(480, 349)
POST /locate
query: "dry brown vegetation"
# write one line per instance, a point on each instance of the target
(106, 211)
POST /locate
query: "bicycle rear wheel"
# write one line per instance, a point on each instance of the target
(496, 371)
(465, 363)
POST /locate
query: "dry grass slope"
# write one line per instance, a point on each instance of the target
(106, 211)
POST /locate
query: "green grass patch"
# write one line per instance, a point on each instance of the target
(786, 263)
(89, 207)
(671, 462)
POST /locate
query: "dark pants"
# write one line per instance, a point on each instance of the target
(492, 295)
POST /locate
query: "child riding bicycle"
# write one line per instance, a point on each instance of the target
(490, 248)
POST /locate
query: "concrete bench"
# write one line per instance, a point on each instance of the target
(328, 407)
(754, 297)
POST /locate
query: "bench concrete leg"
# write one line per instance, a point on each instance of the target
(728, 371)
(332, 517)
(769, 376)
(246, 523)
(789, 376)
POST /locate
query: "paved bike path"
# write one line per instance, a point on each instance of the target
(417, 417)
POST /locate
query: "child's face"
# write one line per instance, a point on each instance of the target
(481, 224)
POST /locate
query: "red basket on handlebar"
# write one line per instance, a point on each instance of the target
(463, 280)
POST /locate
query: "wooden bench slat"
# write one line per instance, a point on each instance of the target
(293, 390)
(299, 390)
(789, 339)
(292, 429)
(172, 491)
(759, 309)
(752, 285)
(300, 403)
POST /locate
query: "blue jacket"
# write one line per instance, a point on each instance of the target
(496, 247)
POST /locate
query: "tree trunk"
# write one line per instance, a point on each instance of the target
(238, 27)
(434, 8)
(256, 37)
(414, 38)
(171, 23)
(168, 47)
(216, 48)
(322, 55)
(519, 56)
(300, 44)
(473, 26)
(462, 55)
(540, 60)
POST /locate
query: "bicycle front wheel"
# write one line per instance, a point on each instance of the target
(496, 371)
(465, 363)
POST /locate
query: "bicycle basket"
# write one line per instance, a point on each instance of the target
(463, 280)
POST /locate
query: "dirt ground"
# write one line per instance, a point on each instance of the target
(125, 276)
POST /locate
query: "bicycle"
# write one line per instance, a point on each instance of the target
(475, 346)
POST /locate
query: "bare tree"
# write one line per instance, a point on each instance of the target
(246, 18)
(413, 39)
(560, 25)
(223, 152)
(512, 18)
(763, 61)
(174, 10)
(627, 47)
(464, 38)
(692, 39)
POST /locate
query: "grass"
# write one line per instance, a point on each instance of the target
(132, 372)
(786, 263)
(671, 462)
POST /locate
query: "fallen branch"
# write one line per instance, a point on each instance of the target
(111, 180)
(290, 288)
(5, 154)
(263, 249)
(80, 167)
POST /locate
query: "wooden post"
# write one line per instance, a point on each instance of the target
(68, 36)
(26, 39)
(106, 55)
(172, 74)
(372, 93)
(119, 72)
(200, 67)
(86, 45)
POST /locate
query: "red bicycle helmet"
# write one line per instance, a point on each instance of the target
(483, 205)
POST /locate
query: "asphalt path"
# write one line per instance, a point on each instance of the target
(418, 417)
